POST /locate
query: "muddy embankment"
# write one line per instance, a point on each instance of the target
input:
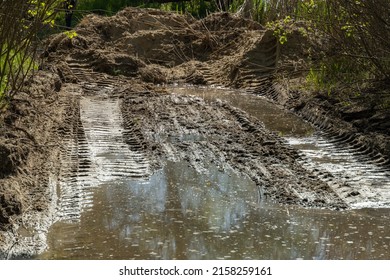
(121, 64)
(29, 163)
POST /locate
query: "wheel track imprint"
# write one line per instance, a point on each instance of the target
(97, 147)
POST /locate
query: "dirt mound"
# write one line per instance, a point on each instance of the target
(6, 167)
(150, 39)
(225, 21)
(132, 20)
(125, 56)
(10, 205)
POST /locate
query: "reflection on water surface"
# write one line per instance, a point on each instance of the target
(179, 213)
(273, 117)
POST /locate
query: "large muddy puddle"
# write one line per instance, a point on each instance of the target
(273, 117)
(323, 154)
(179, 213)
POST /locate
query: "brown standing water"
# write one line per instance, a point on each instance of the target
(179, 213)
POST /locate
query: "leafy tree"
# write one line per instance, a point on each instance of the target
(20, 22)
(363, 30)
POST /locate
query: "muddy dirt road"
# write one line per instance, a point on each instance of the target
(206, 199)
(119, 119)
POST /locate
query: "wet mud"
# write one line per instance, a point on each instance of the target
(117, 125)
(199, 204)
(360, 179)
(186, 128)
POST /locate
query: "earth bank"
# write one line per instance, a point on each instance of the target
(131, 53)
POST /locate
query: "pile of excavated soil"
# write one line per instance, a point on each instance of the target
(167, 47)
(131, 52)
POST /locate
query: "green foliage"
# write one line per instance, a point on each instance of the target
(112, 6)
(71, 34)
(198, 8)
(20, 22)
(356, 34)
(17, 60)
(281, 28)
(235, 5)
(259, 10)
(336, 72)
(43, 9)
(316, 79)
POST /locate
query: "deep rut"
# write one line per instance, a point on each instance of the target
(358, 175)
(97, 147)
(362, 181)
(109, 144)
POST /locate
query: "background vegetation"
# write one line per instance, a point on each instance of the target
(20, 23)
(357, 32)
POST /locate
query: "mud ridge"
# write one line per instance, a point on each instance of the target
(344, 134)
(28, 191)
(185, 128)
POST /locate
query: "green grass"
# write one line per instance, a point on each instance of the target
(337, 72)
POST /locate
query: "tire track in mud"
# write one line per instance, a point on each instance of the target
(363, 172)
(356, 173)
(362, 181)
(75, 166)
(359, 175)
(252, 72)
(188, 129)
(284, 172)
(343, 137)
(97, 147)
(92, 82)
(115, 151)
(256, 77)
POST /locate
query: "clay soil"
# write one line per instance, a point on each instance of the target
(136, 53)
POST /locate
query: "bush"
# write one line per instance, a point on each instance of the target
(20, 22)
